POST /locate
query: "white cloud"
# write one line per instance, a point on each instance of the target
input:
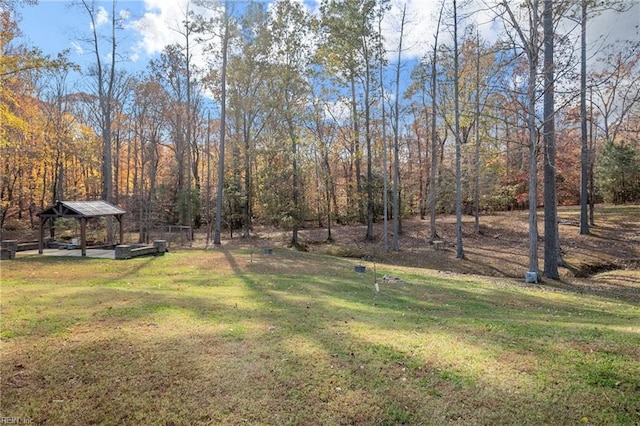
(102, 17)
(419, 27)
(339, 110)
(614, 26)
(77, 47)
(156, 25)
(125, 14)
(421, 21)
(162, 24)
(162, 21)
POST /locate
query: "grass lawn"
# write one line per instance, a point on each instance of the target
(236, 336)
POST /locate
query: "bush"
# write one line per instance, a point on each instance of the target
(618, 173)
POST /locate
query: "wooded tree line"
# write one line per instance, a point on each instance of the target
(303, 119)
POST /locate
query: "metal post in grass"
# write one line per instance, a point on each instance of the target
(361, 269)
(375, 278)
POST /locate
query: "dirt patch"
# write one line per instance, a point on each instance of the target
(500, 249)
(589, 269)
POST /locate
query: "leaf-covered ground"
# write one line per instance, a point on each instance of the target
(605, 261)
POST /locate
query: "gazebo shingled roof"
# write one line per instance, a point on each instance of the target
(81, 210)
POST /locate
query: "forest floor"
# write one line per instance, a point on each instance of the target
(605, 261)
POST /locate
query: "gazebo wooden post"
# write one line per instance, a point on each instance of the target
(119, 218)
(83, 235)
(43, 220)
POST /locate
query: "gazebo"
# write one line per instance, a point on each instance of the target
(82, 211)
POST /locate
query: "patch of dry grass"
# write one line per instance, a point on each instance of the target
(235, 336)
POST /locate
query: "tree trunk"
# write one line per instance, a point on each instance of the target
(584, 154)
(476, 157)
(531, 48)
(296, 183)
(356, 147)
(456, 88)
(396, 144)
(591, 161)
(551, 248)
(246, 222)
(223, 125)
(434, 136)
(385, 171)
(367, 130)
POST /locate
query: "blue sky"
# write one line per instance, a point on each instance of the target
(55, 25)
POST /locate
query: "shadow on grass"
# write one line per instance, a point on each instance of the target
(44, 261)
(313, 343)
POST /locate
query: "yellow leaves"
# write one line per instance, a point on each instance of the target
(10, 121)
(17, 106)
(13, 122)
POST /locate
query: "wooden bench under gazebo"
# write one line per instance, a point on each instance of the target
(82, 211)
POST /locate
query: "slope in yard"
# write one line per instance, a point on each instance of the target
(606, 261)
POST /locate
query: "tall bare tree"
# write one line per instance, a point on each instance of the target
(248, 96)
(551, 248)
(385, 171)
(433, 186)
(529, 41)
(226, 35)
(476, 155)
(456, 89)
(396, 140)
(584, 147)
(105, 76)
(616, 88)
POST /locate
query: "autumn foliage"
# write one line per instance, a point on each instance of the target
(296, 118)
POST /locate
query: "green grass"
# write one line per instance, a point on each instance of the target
(225, 337)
